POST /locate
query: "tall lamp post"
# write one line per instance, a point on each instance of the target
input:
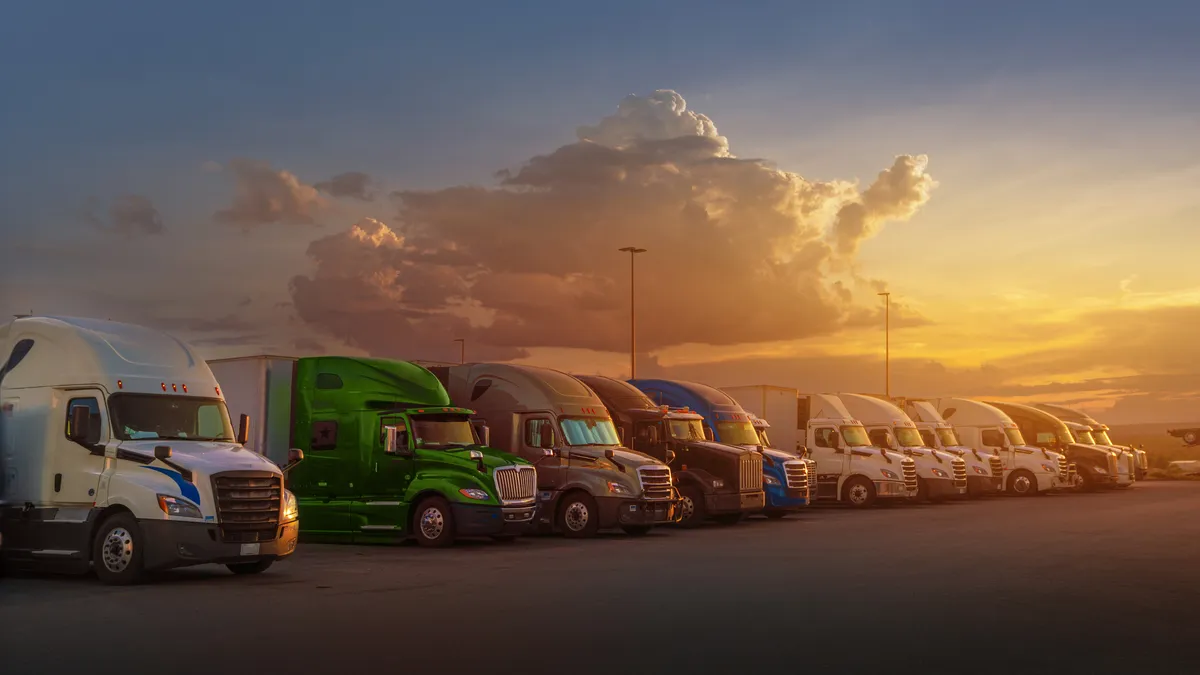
(632, 251)
(462, 350)
(887, 344)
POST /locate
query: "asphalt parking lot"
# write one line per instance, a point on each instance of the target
(1061, 583)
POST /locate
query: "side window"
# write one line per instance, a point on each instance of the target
(97, 424)
(927, 438)
(879, 438)
(329, 381)
(1045, 437)
(641, 436)
(533, 431)
(824, 437)
(992, 438)
(324, 435)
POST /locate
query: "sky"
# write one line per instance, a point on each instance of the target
(383, 178)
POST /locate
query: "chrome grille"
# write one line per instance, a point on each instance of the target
(796, 472)
(1112, 465)
(516, 483)
(1132, 466)
(656, 481)
(750, 472)
(1071, 471)
(1063, 469)
(960, 472)
(1143, 461)
(909, 466)
(812, 478)
(997, 466)
(248, 505)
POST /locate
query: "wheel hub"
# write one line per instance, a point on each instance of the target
(432, 523)
(117, 551)
(576, 516)
(858, 494)
(688, 508)
(1021, 484)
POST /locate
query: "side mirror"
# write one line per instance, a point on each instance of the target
(836, 440)
(478, 457)
(485, 435)
(670, 456)
(621, 434)
(546, 436)
(295, 456)
(652, 435)
(243, 429)
(81, 424)
(708, 433)
(162, 452)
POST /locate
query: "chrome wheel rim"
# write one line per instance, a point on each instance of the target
(117, 551)
(433, 523)
(576, 516)
(688, 507)
(858, 494)
(1021, 484)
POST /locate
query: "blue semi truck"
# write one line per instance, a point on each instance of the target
(785, 475)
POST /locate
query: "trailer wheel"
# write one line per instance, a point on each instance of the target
(256, 567)
(636, 530)
(578, 516)
(859, 492)
(433, 523)
(1022, 483)
(117, 550)
(691, 502)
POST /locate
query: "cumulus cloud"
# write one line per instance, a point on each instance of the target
(128, 215)
(264, 194)
(351, 184)
(896, 194)
(738, 250)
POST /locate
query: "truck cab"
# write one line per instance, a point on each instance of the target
(1126, 468)
(782, 477)
(120, 457)
(391, 457)
(1028, 470)
(1094, 467)
(586, 480)
(1135, 457)
(985, 470)
(939, 475)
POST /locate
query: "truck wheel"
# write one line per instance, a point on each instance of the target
(256, 567)
(636, 530)
(433, 523)
(1022, 483)
(1084, 481)
(117, 550)
(859, 492)
(578, 516)
(1190, 437)
(691, 502)
(922, 491)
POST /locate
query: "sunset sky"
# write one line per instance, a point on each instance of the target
(308, 177)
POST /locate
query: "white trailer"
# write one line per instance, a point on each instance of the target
(260, 387)
(776, 405)
(119, 456)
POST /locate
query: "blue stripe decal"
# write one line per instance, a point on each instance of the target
(186, 490)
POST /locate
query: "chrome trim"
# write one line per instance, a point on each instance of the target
(795, 472)
(516, 484)
(655, 481)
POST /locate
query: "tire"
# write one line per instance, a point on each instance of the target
(636, 530)
(578, 517)
(1190, 437)
(117, 551)
(859, 492)
(1022, 483)
(433, 523)
(1084, 480)
(775, 515)
(256, 567)
(692, 503)
(922, 491)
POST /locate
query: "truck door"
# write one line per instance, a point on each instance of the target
(551, 471)
(993, 440)
(831, 460)
(325, 481)
(381, 505)
(77, 466)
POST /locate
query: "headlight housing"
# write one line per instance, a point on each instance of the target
(177, 507)
(291, 511)
(770, 480)
(1049, 469)
(618, 488)
(980, 470)
(940, 474)
(718, 483)
(476, 493)
(889, 474)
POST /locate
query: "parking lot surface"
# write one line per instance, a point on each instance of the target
(1063, 583)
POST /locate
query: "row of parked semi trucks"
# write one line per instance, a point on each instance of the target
(119, 452)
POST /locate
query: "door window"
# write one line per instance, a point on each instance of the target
(927, 438)
(824, 437)
(879, 438)
(97, 423)
(992, 438)
(533, 432)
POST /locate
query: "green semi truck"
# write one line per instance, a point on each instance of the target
(387, 456)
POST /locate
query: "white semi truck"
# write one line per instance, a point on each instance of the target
(1028, 470)
(985, 470)
(939, 474)
(119, 456)
(849, 468)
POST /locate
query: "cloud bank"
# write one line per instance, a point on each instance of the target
(128, 215)
(264, 195)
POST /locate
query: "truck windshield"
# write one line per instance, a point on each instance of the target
(1063, 435)
(737, 433)
(1014, 436)
(908, 437)
(1101, 437)
(589, 431)
(157, 416)
(763, 440)
(1084, 437)
(948, 438)
(855, 437)
(442, 431)
(686, 430)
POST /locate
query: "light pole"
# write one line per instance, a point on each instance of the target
(462, 350)
(632, 251)
(887, 344)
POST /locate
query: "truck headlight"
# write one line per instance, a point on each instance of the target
(940, 474)
(718, 483)
(889, 474)
(1099, 469)
(618, 488)
(979, 470)
(1049, 469)
(291, 512)
(176, 507)
(770, 480)
(476, 493)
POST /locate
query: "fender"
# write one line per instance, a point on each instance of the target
(697, 478)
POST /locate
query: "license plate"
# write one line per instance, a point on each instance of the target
(251, 549)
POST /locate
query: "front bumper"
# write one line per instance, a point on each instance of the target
(734, 502)
(481, 520)
(892, 489)
(618, 511)
(781, 498)
(940, 488)
(169, 544)
(984, 485)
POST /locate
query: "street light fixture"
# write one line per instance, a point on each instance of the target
(462, 350)
(887, 344)
(632, 251)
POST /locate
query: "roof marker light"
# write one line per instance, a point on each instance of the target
(164, 386)
(184, 388)
(218, 390)
(120, 384)
(174, 388)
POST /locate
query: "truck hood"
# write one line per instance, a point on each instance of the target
(713, 446)
(204, 456)
(630, 458)
(461, 457)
